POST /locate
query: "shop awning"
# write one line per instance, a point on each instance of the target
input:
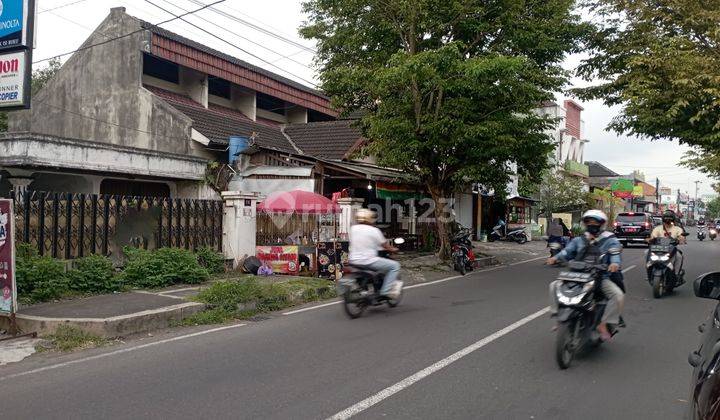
(298, 201)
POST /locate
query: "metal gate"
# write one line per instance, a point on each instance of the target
(66, 225)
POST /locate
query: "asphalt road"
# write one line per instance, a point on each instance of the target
(472, 347)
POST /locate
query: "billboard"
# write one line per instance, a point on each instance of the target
(16, 23)
(8, 288)
(282, 259)
(622, 188)
(14, 79)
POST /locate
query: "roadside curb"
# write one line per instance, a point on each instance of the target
(116, 326)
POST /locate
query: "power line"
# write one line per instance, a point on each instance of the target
(77, 23)
(231, 44)
(127, 34)
(61, 6)
(257, 28)
(287, 57)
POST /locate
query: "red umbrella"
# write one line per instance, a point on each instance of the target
(298, 201)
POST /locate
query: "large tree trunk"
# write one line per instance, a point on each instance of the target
(443, 219)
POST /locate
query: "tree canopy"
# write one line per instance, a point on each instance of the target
(447, 87)
(660, 61)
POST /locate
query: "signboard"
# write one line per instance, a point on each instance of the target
(331, 256)
(14, 81)
(16, 23)
(8, 288)
(638, 191)
(622, 188)
(282, 259)
(577, 168)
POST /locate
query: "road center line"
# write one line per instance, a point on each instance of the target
(120, 351)
(410, 380)
(628, 269)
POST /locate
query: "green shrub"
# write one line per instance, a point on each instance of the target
(227, 295)
(38, 278)
(162, 267)
(69, 338)
(93, 274)
(213, 261)
(210, 316)
(132, 253)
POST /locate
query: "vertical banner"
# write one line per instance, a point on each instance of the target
(331, 257)
(14, 88)
(8, 288)
(17, 30)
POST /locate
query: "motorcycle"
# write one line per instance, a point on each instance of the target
(580, 309)
(660, 267)
(501, 233)
(556, 244)
(701, 234)
(360, 288)
(712, 234)
(462, 254)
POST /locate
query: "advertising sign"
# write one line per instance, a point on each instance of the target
(638, 191)
(282, 259)
(622, 188)
(8, 289)
(14, 83)
(14, 23)
(331, 256)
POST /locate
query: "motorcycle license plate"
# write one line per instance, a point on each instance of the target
(575, 276)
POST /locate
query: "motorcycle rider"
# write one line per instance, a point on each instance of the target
(669, 229)
(365, 242)
(594, 243)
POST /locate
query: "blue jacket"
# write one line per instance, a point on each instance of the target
(608, 243)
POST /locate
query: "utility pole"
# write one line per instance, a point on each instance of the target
(657, 195)
(697, 186)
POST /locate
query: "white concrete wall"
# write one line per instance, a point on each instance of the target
(464, 209)
(267, 186)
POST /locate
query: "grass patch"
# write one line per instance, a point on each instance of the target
(69, 338)
(248, 297)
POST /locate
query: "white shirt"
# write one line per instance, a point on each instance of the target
(365, 242)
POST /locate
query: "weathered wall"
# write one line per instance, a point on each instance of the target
(97, 96)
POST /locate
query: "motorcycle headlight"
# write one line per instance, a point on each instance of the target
(574, 300)
(654, 257)
(665, 258)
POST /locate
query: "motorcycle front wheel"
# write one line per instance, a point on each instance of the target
(564, 344)
(353, 304)
(658, 286)
(460, 265)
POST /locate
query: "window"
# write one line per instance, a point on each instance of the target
(161, 69)
(219, 87)
(315, 116)
(134, 188)
(270, 103)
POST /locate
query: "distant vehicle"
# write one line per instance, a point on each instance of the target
(705, 382)
(633, 228)
(657, 221)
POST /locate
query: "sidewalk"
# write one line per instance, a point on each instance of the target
(511, 252)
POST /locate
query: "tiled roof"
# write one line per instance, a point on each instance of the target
(329, 140)
(204, 48)
(599, 170)
(218, 123)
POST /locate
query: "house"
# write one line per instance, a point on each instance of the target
(569, 137)
(146, 113)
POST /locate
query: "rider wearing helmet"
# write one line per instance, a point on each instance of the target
(669, 228)
(595, 243)
(365, 242)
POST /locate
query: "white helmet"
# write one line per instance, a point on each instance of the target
(598, 215)
(366, 216)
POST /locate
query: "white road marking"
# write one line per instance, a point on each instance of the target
(312, 308)
(116, 352)
(527, 261)
(629, 268)
(410, 380)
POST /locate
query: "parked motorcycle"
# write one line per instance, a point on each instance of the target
(501, 233)
(712, 234)
(661, 269)
(462, 254)
(580, 309)
(360, 288)
(701, 234)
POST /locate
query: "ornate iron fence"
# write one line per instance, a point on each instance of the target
(65, 225)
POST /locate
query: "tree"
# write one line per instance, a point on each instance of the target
(40, 78)
(704, 161)
(559, 191)
(713, 208)
(605, 200)
(659, 60)
(448, 87)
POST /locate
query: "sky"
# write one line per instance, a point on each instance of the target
(63, 25)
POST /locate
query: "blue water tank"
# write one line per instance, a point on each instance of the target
(237, 146)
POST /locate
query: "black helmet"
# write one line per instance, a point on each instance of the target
(668, 216)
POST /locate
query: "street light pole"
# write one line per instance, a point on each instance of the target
(697, 186)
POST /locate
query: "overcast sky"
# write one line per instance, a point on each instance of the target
(68, 25)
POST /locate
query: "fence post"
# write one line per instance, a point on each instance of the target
(239, 225)
(348, 207)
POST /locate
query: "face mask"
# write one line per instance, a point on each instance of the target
(592, 229)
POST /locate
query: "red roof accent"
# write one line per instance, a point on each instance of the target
(205, 62)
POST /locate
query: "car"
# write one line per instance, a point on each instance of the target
(657, 221)
(633, 228)
(705, 381)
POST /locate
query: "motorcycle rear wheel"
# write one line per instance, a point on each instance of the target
(564, 350)
(658, 286)
(521, 238)
(354, 307)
